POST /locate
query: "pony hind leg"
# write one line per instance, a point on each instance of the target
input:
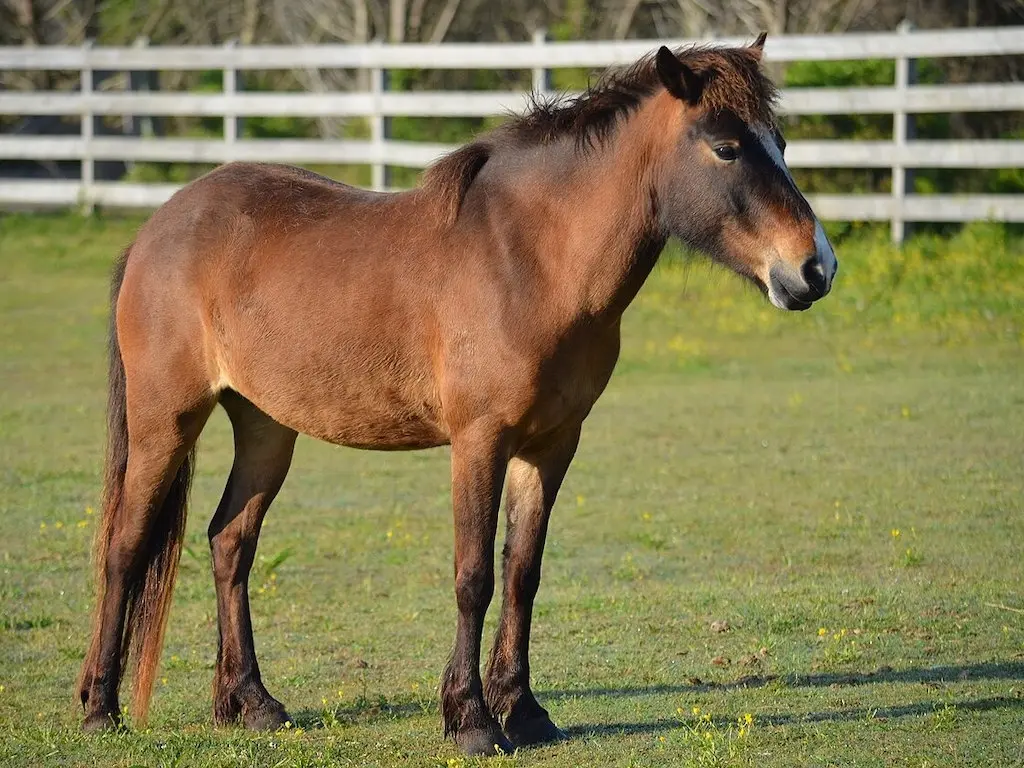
(138, 548)
(533, 483)
(158, 402)
(263, 454)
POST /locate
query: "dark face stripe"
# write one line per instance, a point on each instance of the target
(764, 175)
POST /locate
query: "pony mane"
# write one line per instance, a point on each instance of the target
(449, 178)
(732, 79)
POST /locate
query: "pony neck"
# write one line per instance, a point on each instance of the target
(602, 207)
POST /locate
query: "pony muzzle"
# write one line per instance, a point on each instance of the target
(796, 289)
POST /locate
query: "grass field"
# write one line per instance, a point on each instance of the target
(813, 520)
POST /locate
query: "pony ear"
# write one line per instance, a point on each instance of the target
(757, 47)
(681, 81)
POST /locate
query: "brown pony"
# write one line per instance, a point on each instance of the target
(481, 310)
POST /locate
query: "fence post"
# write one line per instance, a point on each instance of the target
(141, 81)
(902, 132)
(380, 126)
(230, 88)
(88, 166)
(541, 76)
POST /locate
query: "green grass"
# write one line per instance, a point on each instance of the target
(745, 466)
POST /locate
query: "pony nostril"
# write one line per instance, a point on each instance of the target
(813, 273)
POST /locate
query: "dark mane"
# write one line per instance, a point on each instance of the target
(732, 80)
(449, 178)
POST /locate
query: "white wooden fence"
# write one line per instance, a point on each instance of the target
(902, 100)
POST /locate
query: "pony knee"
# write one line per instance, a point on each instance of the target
(474, 587)
(226, 554)
(521, 577)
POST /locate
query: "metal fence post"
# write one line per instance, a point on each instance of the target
(88, 166)
(902, 132)
(380, 126)
(541, 76)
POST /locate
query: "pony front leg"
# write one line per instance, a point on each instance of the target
(263, 454)
(479, 459)
(533, 483)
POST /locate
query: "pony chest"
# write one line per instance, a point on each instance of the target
(533, 382)
(568, 385)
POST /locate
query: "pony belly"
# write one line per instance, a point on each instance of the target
(380, 432)
(354, 398)
(366, 418)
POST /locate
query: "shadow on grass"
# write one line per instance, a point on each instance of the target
(926, 675)
(369, 710)
(835, 716)
(1010, 670)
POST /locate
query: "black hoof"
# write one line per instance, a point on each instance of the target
(484, 741)
(270, 717)
(100, 722)
(536, 730)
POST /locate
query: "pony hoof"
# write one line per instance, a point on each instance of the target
(100, 722)
(536, 730)
(269, 718)
(484, 741)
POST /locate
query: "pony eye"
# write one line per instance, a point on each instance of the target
(726, 152)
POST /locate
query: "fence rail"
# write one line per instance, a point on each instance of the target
(979, 97)
(415, 154)
(997, 41)
(903, 99)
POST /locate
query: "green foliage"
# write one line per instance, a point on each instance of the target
(836, 74)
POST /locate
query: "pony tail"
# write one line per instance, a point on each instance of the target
(150, 594)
